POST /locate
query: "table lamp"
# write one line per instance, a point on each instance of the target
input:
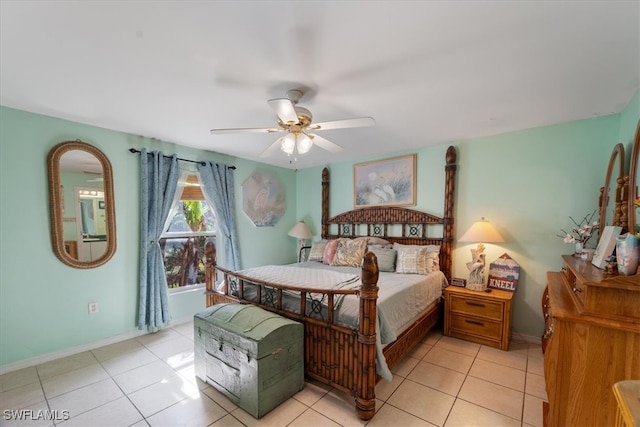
(480, 232)
(301, 232)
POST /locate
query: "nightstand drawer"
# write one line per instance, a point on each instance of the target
(475, 326)
(482, 317)
(477, 306)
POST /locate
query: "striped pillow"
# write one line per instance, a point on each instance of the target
(317, 249)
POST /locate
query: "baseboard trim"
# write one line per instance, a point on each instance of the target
(518, 337)
(33, 361)
(38, 360)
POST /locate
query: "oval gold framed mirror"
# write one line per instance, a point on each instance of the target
(616, 155)
(81, 205)
(633, 181)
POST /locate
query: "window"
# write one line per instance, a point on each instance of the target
(190, 224)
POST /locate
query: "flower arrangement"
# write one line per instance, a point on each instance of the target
(582, 231)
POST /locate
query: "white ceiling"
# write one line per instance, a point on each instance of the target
(428, 72)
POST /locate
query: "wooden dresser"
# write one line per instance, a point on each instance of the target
(591, 341)
(627, 395)
(482, 317)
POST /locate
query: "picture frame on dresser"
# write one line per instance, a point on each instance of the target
(606, 245)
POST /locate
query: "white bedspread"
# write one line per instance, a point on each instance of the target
(304, 277)
(401, 297)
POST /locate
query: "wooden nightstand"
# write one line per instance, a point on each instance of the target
(482, 317)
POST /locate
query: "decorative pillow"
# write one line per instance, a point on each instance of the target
(416, 259)
(372, 240)
(412, 260)
(389, 246)
(430, 248)
(329, 252)
(386, 257)
(350, 252)
(433, 255)
(317, 249)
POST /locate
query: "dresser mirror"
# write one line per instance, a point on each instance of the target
(81, 204)
(634, 183)
(610, 209)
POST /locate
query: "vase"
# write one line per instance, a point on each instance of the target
(627, 254)
(578, 249)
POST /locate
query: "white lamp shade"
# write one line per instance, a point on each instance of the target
(481, 232)
(300, 231)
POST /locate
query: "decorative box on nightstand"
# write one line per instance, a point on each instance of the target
(482, 317)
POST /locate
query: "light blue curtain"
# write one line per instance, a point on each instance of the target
(217, 180)
(159, 180)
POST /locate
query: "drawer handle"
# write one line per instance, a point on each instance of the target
(577, 289)
(475, 322)
(476, 304)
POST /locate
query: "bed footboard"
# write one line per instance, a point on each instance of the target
(342, 357)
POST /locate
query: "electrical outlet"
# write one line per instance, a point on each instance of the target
(93, 307)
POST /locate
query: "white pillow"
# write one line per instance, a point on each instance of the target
(316, 251)
(417, 259)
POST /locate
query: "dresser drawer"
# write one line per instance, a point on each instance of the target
(475, 326)
(476, 306)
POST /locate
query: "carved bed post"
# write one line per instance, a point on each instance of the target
(210, 271)
(325, 202)
(365, 393)
(447, 218)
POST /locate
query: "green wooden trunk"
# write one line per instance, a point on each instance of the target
(253, 356)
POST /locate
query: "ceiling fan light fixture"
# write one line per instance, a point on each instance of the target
(294, 122)
(288, 143)
(303, 143)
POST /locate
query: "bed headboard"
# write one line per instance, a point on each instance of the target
(396, 224)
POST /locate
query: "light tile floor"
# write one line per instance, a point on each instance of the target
(150, 381)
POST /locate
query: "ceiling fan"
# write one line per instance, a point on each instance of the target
(297, 123)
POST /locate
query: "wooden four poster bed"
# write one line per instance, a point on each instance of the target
(335, 354)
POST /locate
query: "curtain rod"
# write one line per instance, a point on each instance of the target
(133, 150)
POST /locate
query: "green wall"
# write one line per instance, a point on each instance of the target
(629, 124)
(526, 183)
(43, 303)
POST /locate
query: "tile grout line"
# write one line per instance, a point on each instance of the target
(432, 345)
(121, 390)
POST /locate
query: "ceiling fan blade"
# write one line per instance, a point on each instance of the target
(341, 124)
(245, 130)
(325, 144)
(273, 147)
(284, 109)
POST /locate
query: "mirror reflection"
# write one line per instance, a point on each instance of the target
(92, 227)
(85, 233)
(82, 214)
